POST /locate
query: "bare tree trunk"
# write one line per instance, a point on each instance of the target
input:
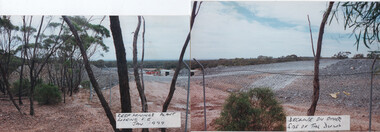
(4, 67)
(33, 77)
(21, 81)
(6, 82)
(142, 54)
(315, 97)
(179, 64)
(23, 55)
(91, 75)
(311, 36)
(144, 105)
(79, 76)
(71, 75)
(135, 67)
(122, 68)
(65, 82)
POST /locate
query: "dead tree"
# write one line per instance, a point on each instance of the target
(91, 74)
(122, 68)
(179, 64)
(315, 97)
(144, 105)
(135, 68)
(142, 54)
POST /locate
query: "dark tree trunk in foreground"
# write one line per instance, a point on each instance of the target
(315, 96)
(179, 64)
(91, 74)
(144, 105)
(6, 82)
(122, 68)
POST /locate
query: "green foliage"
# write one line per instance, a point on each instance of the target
(47, 94)
(25, 87)
(363, 17)
(256, 110)
(85, 28)
(6, 23)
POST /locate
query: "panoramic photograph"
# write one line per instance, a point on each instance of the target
(260, 66)
(222, 66)
(75, 73)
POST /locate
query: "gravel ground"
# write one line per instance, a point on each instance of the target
(358, 85)
(293, 85)
(293, 81)
(273, 75)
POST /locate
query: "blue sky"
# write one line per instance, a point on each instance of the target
(248, 29)
(234, 29)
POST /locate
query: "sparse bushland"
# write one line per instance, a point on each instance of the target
(47, 94)
(255, 110)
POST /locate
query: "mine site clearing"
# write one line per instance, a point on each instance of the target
(292, 82)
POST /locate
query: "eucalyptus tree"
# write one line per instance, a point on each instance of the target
(39, 53)
(363, 18)
(90, 73)
(8, 41)
(26, 31)
(122, 67)
(93, 38)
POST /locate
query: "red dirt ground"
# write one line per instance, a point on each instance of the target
(81, 114)
(215, 99)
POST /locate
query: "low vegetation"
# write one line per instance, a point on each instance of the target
(255, 110)
(47, 94)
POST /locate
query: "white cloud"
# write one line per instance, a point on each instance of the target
(295, 12)
(221, 34)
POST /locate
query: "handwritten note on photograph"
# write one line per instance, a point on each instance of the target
(317, 123)
(148, 120)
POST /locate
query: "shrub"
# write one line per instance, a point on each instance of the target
(25, 87)
(85, 84)
(341, 55)
(47, 94)
(358, 56)
(292, 56)
(256, 110)
(372, 54)
(261, 57)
